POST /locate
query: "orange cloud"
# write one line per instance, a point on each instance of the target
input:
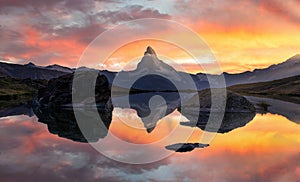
(264, 33)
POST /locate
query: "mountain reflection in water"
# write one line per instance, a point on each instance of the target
(28, 149)
(62, 121)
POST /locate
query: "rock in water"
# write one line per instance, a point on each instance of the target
(58, 93)
(185, 147)
(238, 111)
(53, 106)
(234, 103)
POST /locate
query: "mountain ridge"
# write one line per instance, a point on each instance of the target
(295, 58)
(31, 71)
(286, 69)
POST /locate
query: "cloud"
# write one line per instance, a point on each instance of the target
(63, 29)
(288, 10)
(230, 15)
(46, 5)
(33, 152)
(48, 32)
(130, 13)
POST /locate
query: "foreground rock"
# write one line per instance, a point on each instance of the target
(230, 121)
(237, 112)
(185, 147)
(53, 106)
(233, 102)
(58, 92)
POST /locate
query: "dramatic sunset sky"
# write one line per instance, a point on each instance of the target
(243, 35)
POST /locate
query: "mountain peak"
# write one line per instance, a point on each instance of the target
(150, 51)
(29, 64)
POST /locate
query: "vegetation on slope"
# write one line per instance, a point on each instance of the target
(17, 91)
(285, 89)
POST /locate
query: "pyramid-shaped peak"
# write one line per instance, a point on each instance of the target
(150, 129)
(150, 51)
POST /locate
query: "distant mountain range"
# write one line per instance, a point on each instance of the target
(289, 68)
(150, 64)
(32, 71)
(57, 67)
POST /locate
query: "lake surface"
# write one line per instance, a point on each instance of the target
(265, 149)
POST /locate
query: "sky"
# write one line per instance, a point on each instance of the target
(243, 35)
